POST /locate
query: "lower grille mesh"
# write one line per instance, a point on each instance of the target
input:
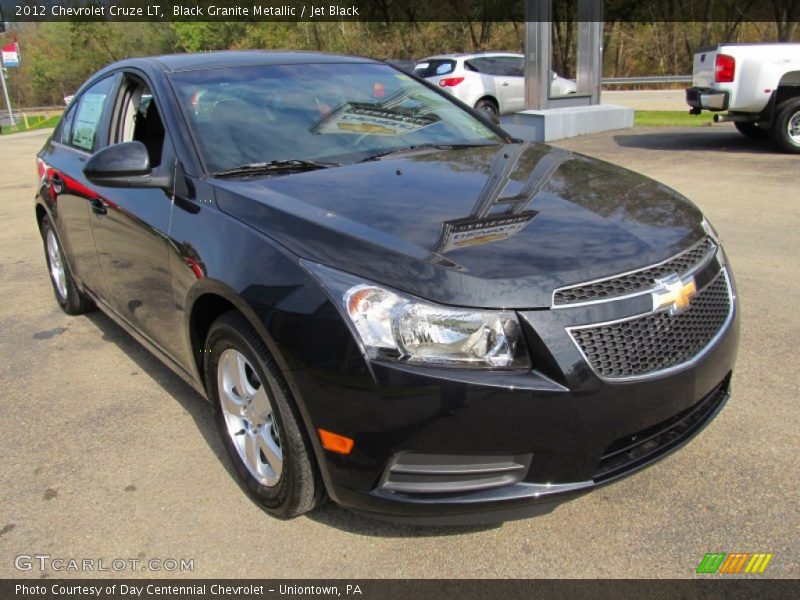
(656, 341)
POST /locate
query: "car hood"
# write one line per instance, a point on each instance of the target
(494, 226)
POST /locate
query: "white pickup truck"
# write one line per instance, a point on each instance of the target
(757, 84)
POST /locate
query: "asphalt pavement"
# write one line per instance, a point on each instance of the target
(106, 454)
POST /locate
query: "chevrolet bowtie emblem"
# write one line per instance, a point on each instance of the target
(674, 293)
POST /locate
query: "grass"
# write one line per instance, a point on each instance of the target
(33, 123)
(671, 118)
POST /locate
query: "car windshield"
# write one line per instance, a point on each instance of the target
(336, 113)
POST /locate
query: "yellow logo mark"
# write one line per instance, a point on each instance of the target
(675, 293)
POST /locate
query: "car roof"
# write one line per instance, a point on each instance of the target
(239, 58)
(468, 55)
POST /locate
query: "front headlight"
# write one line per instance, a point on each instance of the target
(710, 231)
(392, 325)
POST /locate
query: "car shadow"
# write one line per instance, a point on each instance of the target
(189, 399)
(203, 415)
(350, 522)
(698, 139)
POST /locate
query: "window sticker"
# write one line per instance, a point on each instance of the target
(372, 119)
(87, 119)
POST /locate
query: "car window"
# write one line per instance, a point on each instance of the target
(434, 68)
(518, 67)
(83, 134)
(332, 112)
(509, 66)
(482, 65)
(139, 120)
(65, 127)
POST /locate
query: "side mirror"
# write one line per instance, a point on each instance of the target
(123, 165)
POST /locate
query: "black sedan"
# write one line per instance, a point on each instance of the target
(387, 299)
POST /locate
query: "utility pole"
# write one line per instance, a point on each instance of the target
(5, 92)
(3, 75)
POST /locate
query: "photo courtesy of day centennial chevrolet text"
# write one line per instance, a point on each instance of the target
(388, 300)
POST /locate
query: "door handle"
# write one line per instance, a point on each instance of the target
(97, 206)
(504, 84)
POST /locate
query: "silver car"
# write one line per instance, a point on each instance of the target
(490, 81)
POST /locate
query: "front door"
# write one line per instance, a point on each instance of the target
(131, 226)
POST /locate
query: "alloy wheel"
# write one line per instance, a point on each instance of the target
(249, 417)
(793, 127)
(57, 271)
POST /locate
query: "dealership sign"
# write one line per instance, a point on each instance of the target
(11, 55)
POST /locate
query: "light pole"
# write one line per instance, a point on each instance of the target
(5, 92)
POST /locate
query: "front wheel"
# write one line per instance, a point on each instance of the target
(786, 126)
(259, 424)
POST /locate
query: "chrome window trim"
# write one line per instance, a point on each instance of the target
(715, 249)
(674, 368)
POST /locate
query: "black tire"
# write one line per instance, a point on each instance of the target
(299, 488)
(489, 106)
(787, 115)
(71, 300)
(751, 130)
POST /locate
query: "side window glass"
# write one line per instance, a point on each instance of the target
(83, 133)
(482, 65)
(519, 67)
(65, 129)
(506, 65)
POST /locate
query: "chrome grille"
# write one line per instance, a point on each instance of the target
(657, 341)
(629, 283)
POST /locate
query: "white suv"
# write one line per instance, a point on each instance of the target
(490, 81)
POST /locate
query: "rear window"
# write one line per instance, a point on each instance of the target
(434, 68)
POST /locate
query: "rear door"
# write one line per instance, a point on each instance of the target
(502, 77)
(71, 193)
(131, 225)
(512, 69)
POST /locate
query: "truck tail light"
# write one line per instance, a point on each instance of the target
(724, 68)
(450, 81)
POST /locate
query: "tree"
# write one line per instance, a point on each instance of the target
(787, 14)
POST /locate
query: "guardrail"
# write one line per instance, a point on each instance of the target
(645, 80)
(35, 109)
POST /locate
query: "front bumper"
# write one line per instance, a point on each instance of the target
(707, 99)
(437, 445)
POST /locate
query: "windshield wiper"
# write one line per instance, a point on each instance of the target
(275, 166)
(380, 155)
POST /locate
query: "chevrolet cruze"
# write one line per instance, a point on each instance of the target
(388, 300)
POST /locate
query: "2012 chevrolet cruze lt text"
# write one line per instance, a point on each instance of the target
(387, 299)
